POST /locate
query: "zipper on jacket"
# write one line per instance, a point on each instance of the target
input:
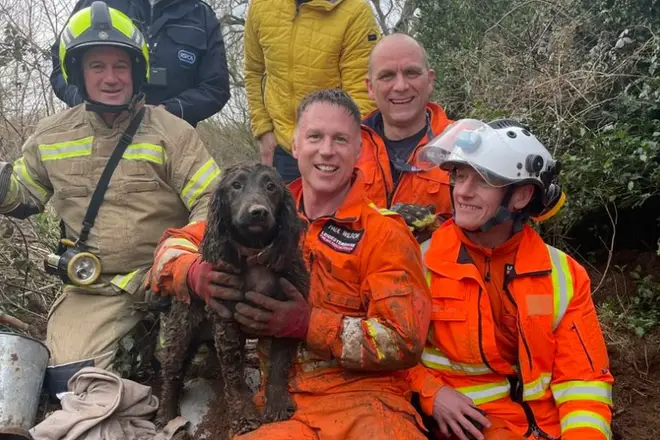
(508, 278)
(584, 347)
(481, 345)
(487, 276)
(534, 428)
(517, 389)
(388, 195)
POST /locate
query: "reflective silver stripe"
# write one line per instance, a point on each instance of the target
(562, 284)
(537, 388)
(481, 394)
(352, 337)
(66, 150)
(122, 281)
(384, 339)
(23, 176)
(148, 152)
(583, 390)
(436, 360)
(180, 242)
(165, 257)
(424, 247)
(586, 419)
(199, 182)
(67, 36)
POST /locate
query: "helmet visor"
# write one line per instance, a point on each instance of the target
(466, 142)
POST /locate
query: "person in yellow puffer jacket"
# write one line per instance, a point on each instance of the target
(294, 47)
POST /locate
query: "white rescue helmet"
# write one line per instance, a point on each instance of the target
(504, 153)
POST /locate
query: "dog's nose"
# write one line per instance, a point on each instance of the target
(258, 212)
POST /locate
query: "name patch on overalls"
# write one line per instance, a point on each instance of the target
(340, 238)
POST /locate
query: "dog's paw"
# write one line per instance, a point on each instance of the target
(245, 424)
(279, 410)
(166, 412)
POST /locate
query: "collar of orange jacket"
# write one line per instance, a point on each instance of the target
(505, 248)
(351, 207)
(439, 121)
(447, 246)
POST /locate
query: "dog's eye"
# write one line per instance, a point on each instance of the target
(236, 185)
(270, 187)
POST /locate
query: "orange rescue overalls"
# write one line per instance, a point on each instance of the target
(515, 330)
(430, 187)
(370, 312)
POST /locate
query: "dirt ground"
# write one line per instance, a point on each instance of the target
(635, 361)
(636, 370)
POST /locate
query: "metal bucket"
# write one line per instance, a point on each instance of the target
(23, 362)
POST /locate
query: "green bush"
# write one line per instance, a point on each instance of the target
(584, 75)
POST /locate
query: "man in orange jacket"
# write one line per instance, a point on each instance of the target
(400, 81)
(514, 333)
(368, 309)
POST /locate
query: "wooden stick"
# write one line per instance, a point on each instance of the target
(13, 322)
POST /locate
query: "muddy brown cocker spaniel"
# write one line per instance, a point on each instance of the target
(253, 225)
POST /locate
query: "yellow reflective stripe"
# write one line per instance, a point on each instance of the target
(383, 211)
(148, 152)
(199, 182)
(21, 172)
(562, 284)
(586, 419)
(481, 394)
(424, 247)
(583, 390)
(122, 281)
(121, 22)
(374, 329)
(179, 242)
(66, 150)
(436, 360)
(536, 388)
(80, 22)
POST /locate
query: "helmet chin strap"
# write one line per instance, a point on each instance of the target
(502, 215)
(98, 107)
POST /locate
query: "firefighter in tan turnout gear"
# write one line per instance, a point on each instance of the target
(161, 180)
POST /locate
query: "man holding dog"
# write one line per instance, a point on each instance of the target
(368, 308)
(400, 81)
(109, 237)
(514, 343)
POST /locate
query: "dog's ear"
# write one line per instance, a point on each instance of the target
(290, 228)
(216, 238)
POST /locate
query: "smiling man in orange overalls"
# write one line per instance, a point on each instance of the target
(514, 342)
(367, 314)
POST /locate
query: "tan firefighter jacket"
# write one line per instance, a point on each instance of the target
(163, 180)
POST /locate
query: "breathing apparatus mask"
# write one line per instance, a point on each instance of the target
(505, 155)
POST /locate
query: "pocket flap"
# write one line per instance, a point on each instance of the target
(188, 35)
(73, 191)
(140, 186)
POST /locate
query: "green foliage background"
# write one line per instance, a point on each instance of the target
(583, 74)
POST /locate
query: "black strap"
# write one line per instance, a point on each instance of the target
(102, 186)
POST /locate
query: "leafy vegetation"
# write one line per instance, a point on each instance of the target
(584, 75)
